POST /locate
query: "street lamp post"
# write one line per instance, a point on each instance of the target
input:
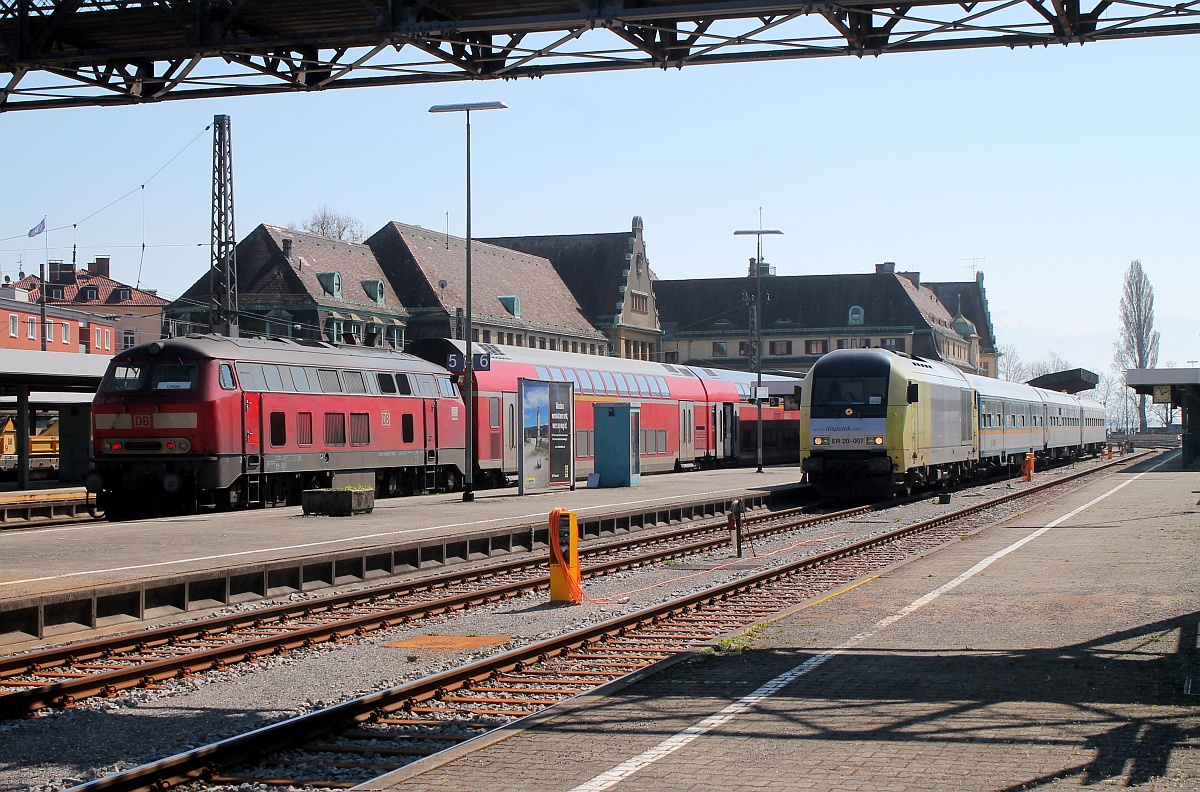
(758, 315)
(468, 367)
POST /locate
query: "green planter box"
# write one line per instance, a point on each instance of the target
(339, 502)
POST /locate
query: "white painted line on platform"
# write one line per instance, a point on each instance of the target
(325, 542)
(612, 777)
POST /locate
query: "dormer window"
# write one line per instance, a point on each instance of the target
(123, 294)
(512, 304)
(90, 293)
(56, 292)
(374, 290)
(855, 316)
(331, 282)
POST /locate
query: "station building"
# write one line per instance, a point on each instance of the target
(610, 277)
(518, 299)
(706, 322)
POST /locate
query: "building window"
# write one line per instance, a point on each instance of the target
(91, 294)
(670, 357)
(854, 343)
(554, 344)
(720, 349)
(99, 338)
(641, 302)
(855, 316)
(56, 292)
(487, 336)
(128, 339)
(13, 322)
(107, 338)
(817, 346)
(781, 348)
(123, 295)
(31, 328)
(66, 333)
(49, 331)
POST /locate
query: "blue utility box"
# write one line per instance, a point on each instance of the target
(618, 448)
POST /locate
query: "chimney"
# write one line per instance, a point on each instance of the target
(100, 266)
(287, 248)
(61, 272)
(913, 277)
(886, 268)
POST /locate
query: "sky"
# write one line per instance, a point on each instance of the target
(1048, 170)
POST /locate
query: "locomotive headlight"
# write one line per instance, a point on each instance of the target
(819, 441)
(106, 446)
(184, 446)
(878, 441)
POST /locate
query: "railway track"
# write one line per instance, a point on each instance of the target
(350, 743)
(66, 675)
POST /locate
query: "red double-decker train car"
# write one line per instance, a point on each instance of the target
(207, 421)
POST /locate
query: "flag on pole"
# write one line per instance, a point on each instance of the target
(40, 228)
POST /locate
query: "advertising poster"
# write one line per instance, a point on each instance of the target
(546, 457)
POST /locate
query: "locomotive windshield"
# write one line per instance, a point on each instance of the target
(866, 397)
(163, 375)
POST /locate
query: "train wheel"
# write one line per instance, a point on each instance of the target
(452, 480)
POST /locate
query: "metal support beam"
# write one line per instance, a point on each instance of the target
(68, 53)
(24, 426)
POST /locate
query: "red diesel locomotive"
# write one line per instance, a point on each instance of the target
(207, 421)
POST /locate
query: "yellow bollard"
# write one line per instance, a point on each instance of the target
(563, 538)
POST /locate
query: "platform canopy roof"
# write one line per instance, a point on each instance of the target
(1144, 380)
(50, 371)
(1072, 381)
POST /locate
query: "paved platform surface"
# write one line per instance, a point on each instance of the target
(50, 560)
(986, 665)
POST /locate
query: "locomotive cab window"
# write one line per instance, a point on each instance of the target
(125, 377)
(173, 376)
(447, 387)
(403, 385)
(386, 383)
(226, 377)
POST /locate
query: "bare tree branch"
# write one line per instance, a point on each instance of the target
(328, 223)
(1138, 343)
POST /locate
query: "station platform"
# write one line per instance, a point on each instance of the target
(59, 581)
(1058, 648)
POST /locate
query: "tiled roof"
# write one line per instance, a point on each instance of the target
(800, 302)
(265, 275)
(591, 265)
(420, 259)
(75, 293)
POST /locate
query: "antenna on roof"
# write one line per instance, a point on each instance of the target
(447, 229)
(974, 265)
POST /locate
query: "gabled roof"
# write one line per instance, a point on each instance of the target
(266, 275)
(75, 293)
(592, 265)
(419, 260)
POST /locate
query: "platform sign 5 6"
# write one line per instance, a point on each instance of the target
(480, 361)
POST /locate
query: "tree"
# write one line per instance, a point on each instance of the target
(1051, 364)
(328, 223)
(1137, 347)
(1009, 366)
